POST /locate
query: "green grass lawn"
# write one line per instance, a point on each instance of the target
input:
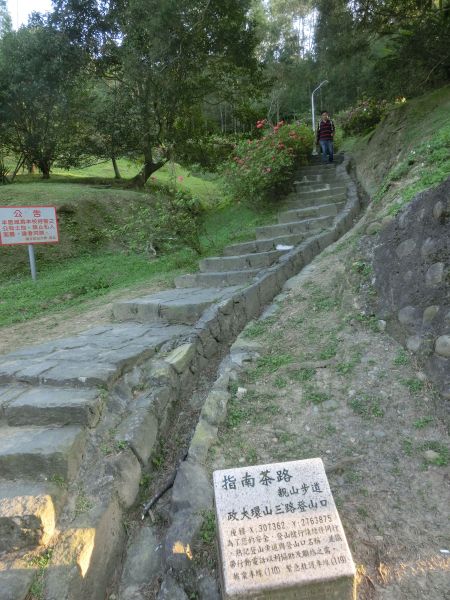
(88, 272)
(98, 180)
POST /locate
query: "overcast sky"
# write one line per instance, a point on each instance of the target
(20, 9)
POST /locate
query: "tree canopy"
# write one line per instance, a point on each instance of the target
(148, 79)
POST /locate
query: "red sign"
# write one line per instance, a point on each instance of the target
(28, 225)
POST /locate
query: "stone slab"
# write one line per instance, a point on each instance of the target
(15, 583)
(81, 374)
(264, 245)
(299, 200)
(223, 279)
(255, 260)
(172, 306)
(304, 225)
(27, 515)
(40, 452)
(53, 406)
(280, 535)
(322, 210)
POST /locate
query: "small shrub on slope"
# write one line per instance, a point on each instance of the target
(362, 117)
(259, 166)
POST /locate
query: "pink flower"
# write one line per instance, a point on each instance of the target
(180, 178)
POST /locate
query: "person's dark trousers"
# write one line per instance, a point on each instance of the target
(327, 148)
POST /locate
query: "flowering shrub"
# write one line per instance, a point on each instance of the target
(257, 167)
(365, 115)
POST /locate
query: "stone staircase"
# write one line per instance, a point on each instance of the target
(80, 417)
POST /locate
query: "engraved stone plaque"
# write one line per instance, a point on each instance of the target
(280, 535)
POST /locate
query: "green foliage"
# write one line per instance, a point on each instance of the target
(413, 384)
(207, 151)
(313, 395)
(401, 358)
(441, 450)
(362, 117)
(43, 98)
(366, 406)
(180, 216)
(257, 329)
(302, 374)
(272, 362)
(236, 413)
(261, 165)
(174, 220)
(208, 528)
(167, 57)
(423, 422)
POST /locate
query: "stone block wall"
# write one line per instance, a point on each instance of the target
(412, 278)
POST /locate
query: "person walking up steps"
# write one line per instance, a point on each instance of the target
(324, 136)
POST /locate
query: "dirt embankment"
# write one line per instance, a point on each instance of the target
(330, 383)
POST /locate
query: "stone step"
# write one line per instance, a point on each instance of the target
(257, 260)
(208, 280)
(183, 306)
(264, 245)
(303, 184)
(296, 214)
(41, 453)
(316, 170)
(306, 225)
(50, 406)
(298, 201)
(324, 177)
(309, 191)
(96, 357)
(28, 514)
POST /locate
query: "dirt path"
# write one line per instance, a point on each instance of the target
(330, 384)
(69, 321)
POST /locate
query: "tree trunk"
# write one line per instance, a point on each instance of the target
(44, 167)
(116, 168)
(148, 168)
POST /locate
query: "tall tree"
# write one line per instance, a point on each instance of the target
(5, 19)
(343, 54)
(167, 56)
(41, 97)
(413, 36)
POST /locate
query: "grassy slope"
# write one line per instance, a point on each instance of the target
(85, 264)
(408, 152)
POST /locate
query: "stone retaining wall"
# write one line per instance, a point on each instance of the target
(412, 277)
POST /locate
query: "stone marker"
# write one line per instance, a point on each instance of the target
(279, 534)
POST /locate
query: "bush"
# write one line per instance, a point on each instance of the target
(362, 117)
(259, 166)
(173, 220)
(179, 220)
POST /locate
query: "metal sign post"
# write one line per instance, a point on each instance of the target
(28, 225)
(314, 152)
(32, 261)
